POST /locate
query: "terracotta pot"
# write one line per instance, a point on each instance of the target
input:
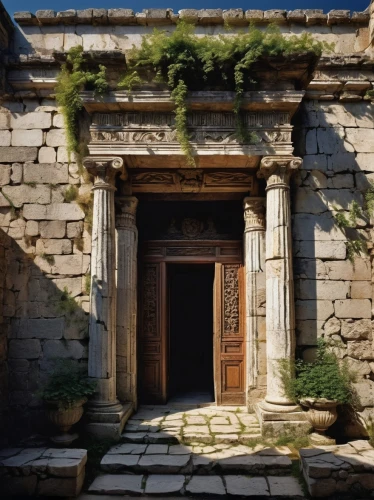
(322, 413)
(65, 418)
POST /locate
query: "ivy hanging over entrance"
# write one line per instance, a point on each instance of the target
(189, 62)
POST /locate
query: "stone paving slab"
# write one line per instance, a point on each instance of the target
(42, 471)
(339, 469)
(117, 484)
(197, 486)
(211, 425)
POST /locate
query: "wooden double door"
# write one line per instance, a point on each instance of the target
(191, 324)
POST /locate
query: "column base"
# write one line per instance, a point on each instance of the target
(108, 425)
(275, 424)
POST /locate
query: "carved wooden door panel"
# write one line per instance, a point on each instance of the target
(229, 345)
(152, 365)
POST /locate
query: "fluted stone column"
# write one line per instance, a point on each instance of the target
(280, 316)
(105, 409)
(254, 260)
(127, 247)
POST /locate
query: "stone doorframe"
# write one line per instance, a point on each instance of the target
(267, 253)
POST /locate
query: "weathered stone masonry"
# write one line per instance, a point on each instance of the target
(45, 244)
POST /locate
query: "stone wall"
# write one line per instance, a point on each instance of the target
(47, 257)
(334, 295)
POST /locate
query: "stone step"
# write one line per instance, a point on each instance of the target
(137, 458)
(196, 485)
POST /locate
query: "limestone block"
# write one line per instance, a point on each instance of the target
(365, 391)
(321, 290)
(63, 264)
(55, 211)
(53, 229)
(362, 349)
(360, 368)
(4, 119)
(58, 194)
(340, 198)
(329, 250)
(24, 349)
(72, 285)
(17, 229)
(4, 202)
(362, 139)
(32, 228)
(28, 194)
(335, 114)
(310, 227)
(5, 137)
(64, 349)
(332, 326)
(71, 40)
(29, 138)
(308, 268)
(118, 484)
(62, 155)
(361, 290)
(20, 485)
(74, 229)
(56, 247)
(359, 271)
(353, 308)
(309, 201)
(46, 173)
(340, 181)
(365, 161)
(314, 309)
(30, 120)
(5, 171)
(332, 140)
(17, 173)
(254, 15)
(316, 179)
(58, 121)
(47, 155)
(311, 142)
(55, 138)
(61, 487)
(51, 328)
(341, 162)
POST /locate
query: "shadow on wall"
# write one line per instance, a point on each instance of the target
(44, 316)
(334, 294)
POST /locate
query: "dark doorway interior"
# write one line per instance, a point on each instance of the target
(191, 333)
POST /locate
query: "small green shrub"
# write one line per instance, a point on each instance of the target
(48, 258)
(187, 62)
(322, 378)
(355, 246)
(67, 384)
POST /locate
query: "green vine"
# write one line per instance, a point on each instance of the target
(188, 62)
(70, 82)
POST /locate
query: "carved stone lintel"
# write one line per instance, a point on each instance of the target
(126, 212)
(104, 169)
(254, 214)
(277, 170)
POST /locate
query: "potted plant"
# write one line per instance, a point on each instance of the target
(64, 394)
(320, 385)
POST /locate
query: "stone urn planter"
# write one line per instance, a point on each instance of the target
(321, 415)
(64, 417)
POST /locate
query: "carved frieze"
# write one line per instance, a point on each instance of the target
(190, 251)
(231, 299)
(204, 127)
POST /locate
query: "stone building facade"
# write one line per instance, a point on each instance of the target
(102, 294)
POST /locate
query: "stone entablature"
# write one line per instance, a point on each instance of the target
(160, 17)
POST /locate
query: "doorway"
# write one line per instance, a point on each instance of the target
(191, 378)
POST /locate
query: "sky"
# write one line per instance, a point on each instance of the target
(19, 5)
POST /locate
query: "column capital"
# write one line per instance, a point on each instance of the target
(254, 214)
(104, 169)
(277, 170)
(126, 212)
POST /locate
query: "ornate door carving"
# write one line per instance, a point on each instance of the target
(229, 334)
(152, 366)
